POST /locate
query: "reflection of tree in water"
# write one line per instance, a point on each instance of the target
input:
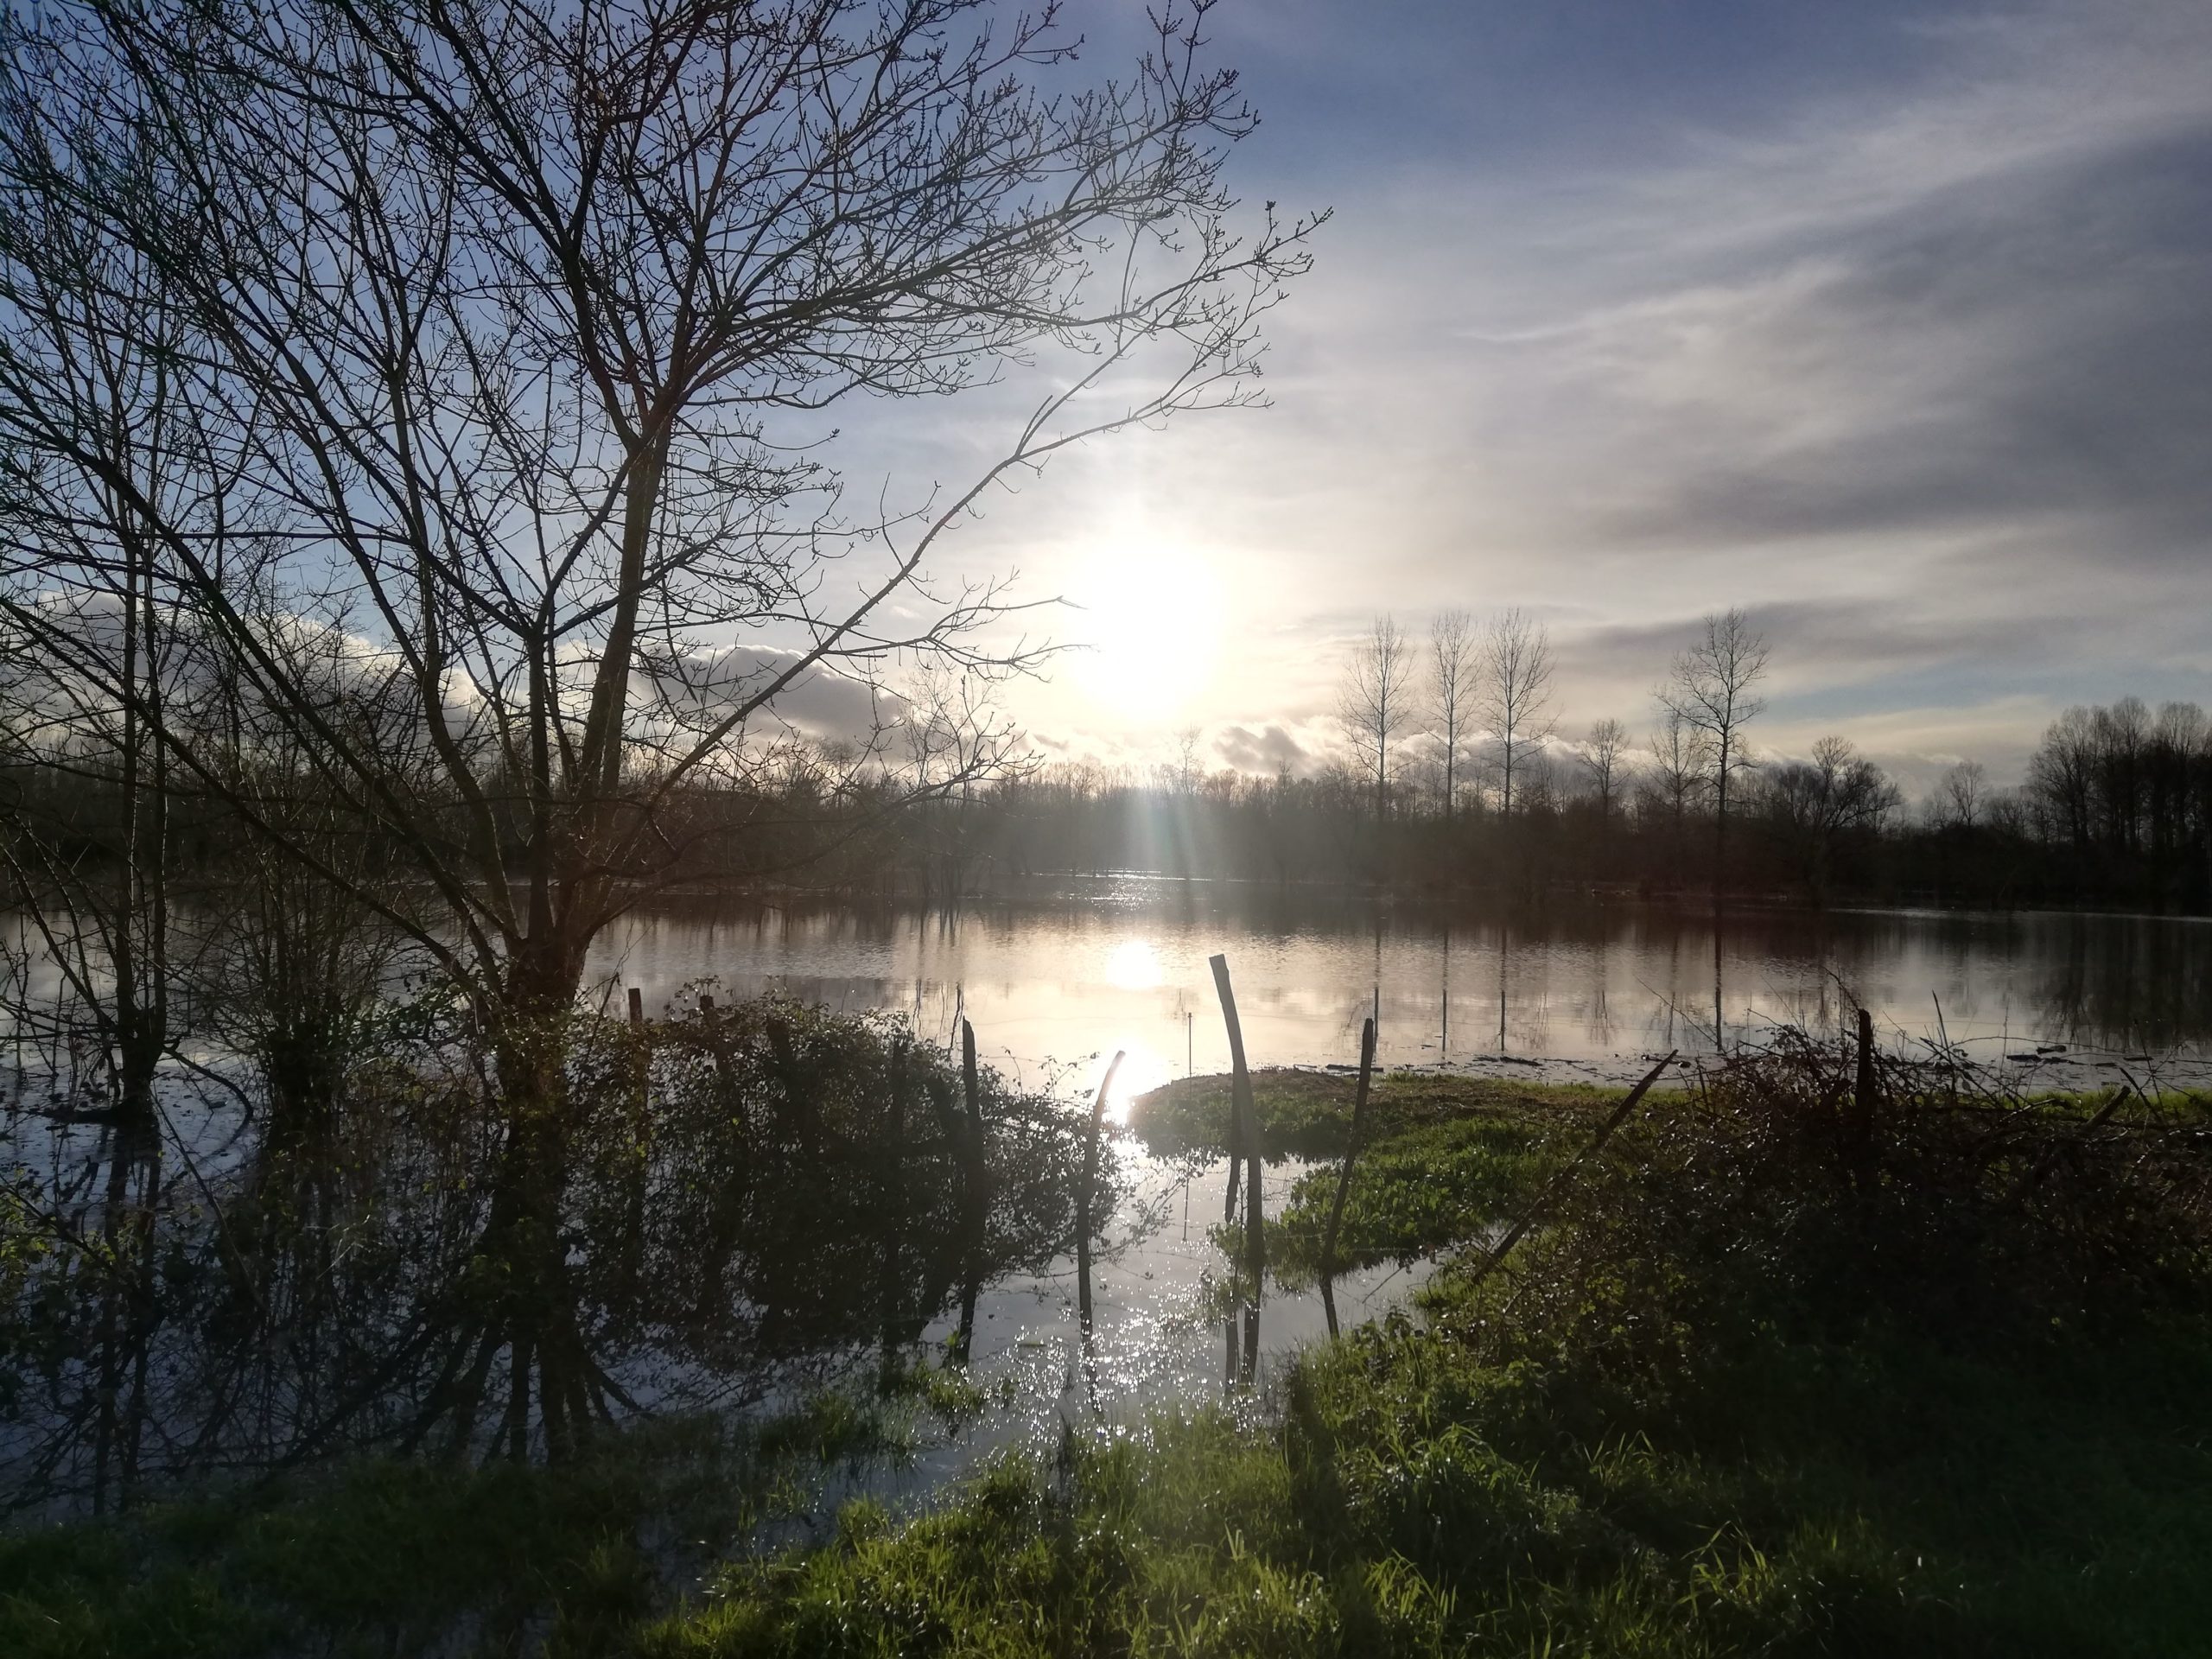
(2121, 983)
(731, 1204)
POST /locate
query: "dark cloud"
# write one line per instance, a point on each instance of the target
(1811, 641)
(822, 703)
(2035, 346)
(1267, 751)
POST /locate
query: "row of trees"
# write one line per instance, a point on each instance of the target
(2114, 805)
(1477, 704)
(1464, 683)
(1458, 777)
(2100, 818)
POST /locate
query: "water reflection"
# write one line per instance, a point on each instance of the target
(723, 1215)
(739, 1211)
(1080, 968)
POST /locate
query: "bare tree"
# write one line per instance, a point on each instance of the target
(1963, 795)
(1375, 702)
(1816, 804)
(490, 327)
(1678, 766)
(1455, 674)
(1516, 700)
(1711, 691)
(1188, 769)
(1604, 758)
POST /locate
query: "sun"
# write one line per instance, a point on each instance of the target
(1151, 625)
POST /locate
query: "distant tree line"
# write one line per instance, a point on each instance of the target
(1456, 776)
(2124, 817)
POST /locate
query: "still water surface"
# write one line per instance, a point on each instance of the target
(285, 1294)
(1068, 972)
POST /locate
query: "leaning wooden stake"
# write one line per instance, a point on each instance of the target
(975, 1102)
(1344, 1175)
(636, 1006)
(965, 1131)
(1083, 1193)
(1245, 1127)
(1513, 1234)
(967, 1063)
(1862, 1092)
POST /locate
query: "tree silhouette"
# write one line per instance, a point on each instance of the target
(1710, 692)
(493, 344)
(1516, 697)
(1375, 702)
(1454, 683)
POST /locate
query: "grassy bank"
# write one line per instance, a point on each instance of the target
(1305, 1113)
(1772, 1377)
(1772, 1380)
(389, 1557)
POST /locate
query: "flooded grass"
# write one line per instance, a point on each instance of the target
(1936, 1397)
(1305, 1113)
(1769, 1376)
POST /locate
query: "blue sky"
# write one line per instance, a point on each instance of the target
(1892, 324)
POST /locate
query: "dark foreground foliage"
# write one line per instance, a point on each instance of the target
(734, 1202)
(1774, 1376)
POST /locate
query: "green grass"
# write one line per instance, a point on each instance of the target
(384, 1557)
(1754, 1388)
(387, 1558)
(1885, 1499)
(1419, 1192)
(1307, 1113)
(1757, 1387)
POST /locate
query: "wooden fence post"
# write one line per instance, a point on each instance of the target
(1246, 1120)
(1343, 1176)
(969, 1142)
(1083, 1194)
(636, 1006)
(1862, 1093)
(978, 1170)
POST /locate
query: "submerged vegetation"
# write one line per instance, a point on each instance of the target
(1793, 1366)
(740, 1202)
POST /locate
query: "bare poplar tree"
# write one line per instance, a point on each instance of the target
(502, 335)
(1678, 767)
(1711, 691)
(1963, 794)
(1188, 769)
(1375, 702)
(1455, 674)
(1604, 758)
(1517, 696)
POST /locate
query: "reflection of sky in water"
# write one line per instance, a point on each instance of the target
(1067, 974)
(1056, 980)
(1155, 1337)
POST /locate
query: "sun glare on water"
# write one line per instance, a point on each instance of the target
(1133, 965)
(1151, 626)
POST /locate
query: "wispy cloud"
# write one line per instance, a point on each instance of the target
(1915, 364)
